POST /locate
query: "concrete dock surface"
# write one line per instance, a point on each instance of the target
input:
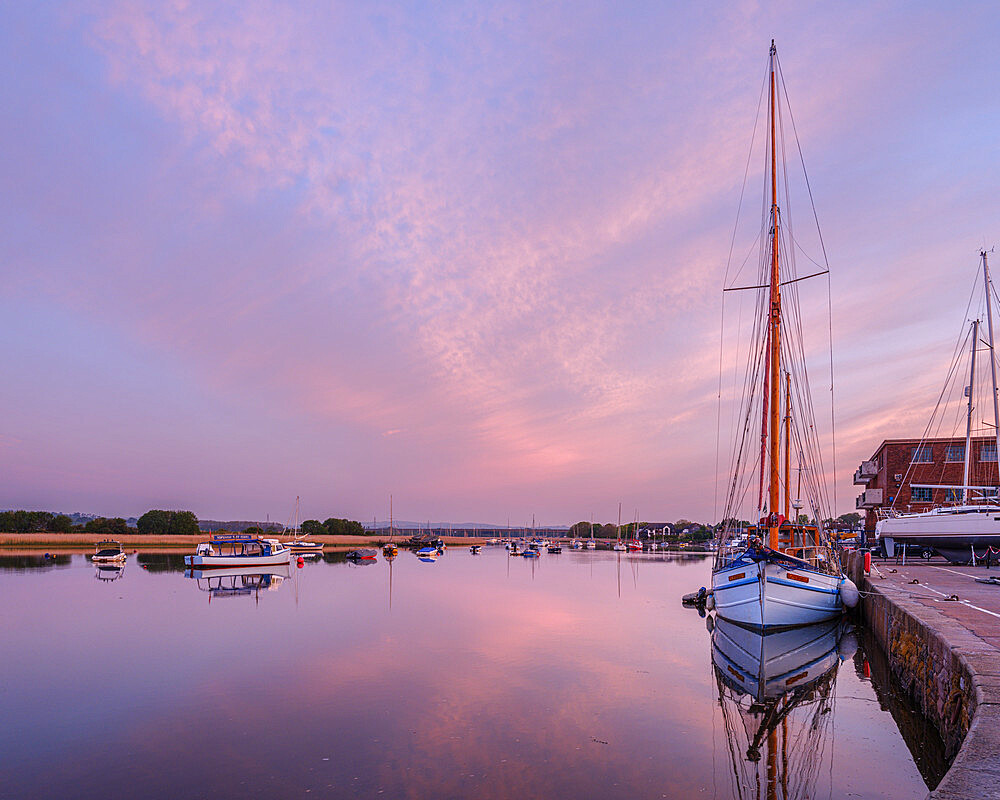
(941, 628)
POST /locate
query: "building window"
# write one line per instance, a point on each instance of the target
(955, 452)
(988, 452)
(923, 455)
(920, 494)
(952, 495)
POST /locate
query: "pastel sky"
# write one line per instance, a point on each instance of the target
(467, 254)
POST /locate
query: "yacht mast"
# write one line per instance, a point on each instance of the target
(774, 329)
(993, 360)
(968, 425)
(788, 442)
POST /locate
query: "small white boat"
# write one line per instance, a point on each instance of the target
(237, 550)
(591, 544)
(299, 546)
(576, 544)
(108, 552)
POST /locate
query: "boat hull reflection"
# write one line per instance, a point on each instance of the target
(775, 692)
(238, 581)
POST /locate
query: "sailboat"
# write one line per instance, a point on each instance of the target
(618, 546)
(591, 544)
(784, 574)
(298, 545)
(389, 549)
(964, 531)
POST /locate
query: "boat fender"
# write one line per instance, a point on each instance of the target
(710, 601)
(300, 561)
(849, 594)
(847, 646)
(868, 562)
(702, 594)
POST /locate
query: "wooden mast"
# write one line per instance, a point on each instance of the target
(788, 442)
(774, 328)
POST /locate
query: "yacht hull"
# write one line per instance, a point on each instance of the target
(772, 596)
(953, 532)
(251, 562)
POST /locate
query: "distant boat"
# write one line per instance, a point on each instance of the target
(475, 549)
(297, 545)
(576, 544)
(389, 549)
(363, 554)
(238, 549)
(554, 548)
(530, 553)
(618, 546)
(108, 551)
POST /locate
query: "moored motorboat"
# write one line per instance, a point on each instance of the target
(238, 549)
(475, 549)
(362, 554)
(108, 551)
(554, 548)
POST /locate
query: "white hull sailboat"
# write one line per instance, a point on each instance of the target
(967, 530)
(784, 574)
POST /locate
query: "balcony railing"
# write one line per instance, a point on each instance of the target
(869, 498)
(865, 473)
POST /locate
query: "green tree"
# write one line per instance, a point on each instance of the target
(344, 527)
(851, 519)
(154, 523)
(60, 524)
(114, 526)
(157, 522)
(183, 523)
(313, 527)
(254, 530)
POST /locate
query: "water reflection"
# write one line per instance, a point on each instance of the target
(567, 676)
(238, 581)
(776, 693)
(109, 572)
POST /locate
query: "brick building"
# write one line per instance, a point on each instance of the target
(888, 476)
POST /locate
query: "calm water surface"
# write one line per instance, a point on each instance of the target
(576, 675)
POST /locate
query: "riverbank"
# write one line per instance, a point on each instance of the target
(940, 630)
(86, 541)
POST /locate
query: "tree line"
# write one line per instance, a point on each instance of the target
(332, 527)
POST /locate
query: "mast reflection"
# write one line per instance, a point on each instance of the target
(776, 693)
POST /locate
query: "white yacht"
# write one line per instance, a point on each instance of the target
(966, 531)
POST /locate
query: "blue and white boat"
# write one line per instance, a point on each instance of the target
(238, 550)
(782, 574)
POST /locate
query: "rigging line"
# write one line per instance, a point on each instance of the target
(746, 174)
(783, 283)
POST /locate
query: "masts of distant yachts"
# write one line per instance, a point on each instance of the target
(965, 531)
(792, 577)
